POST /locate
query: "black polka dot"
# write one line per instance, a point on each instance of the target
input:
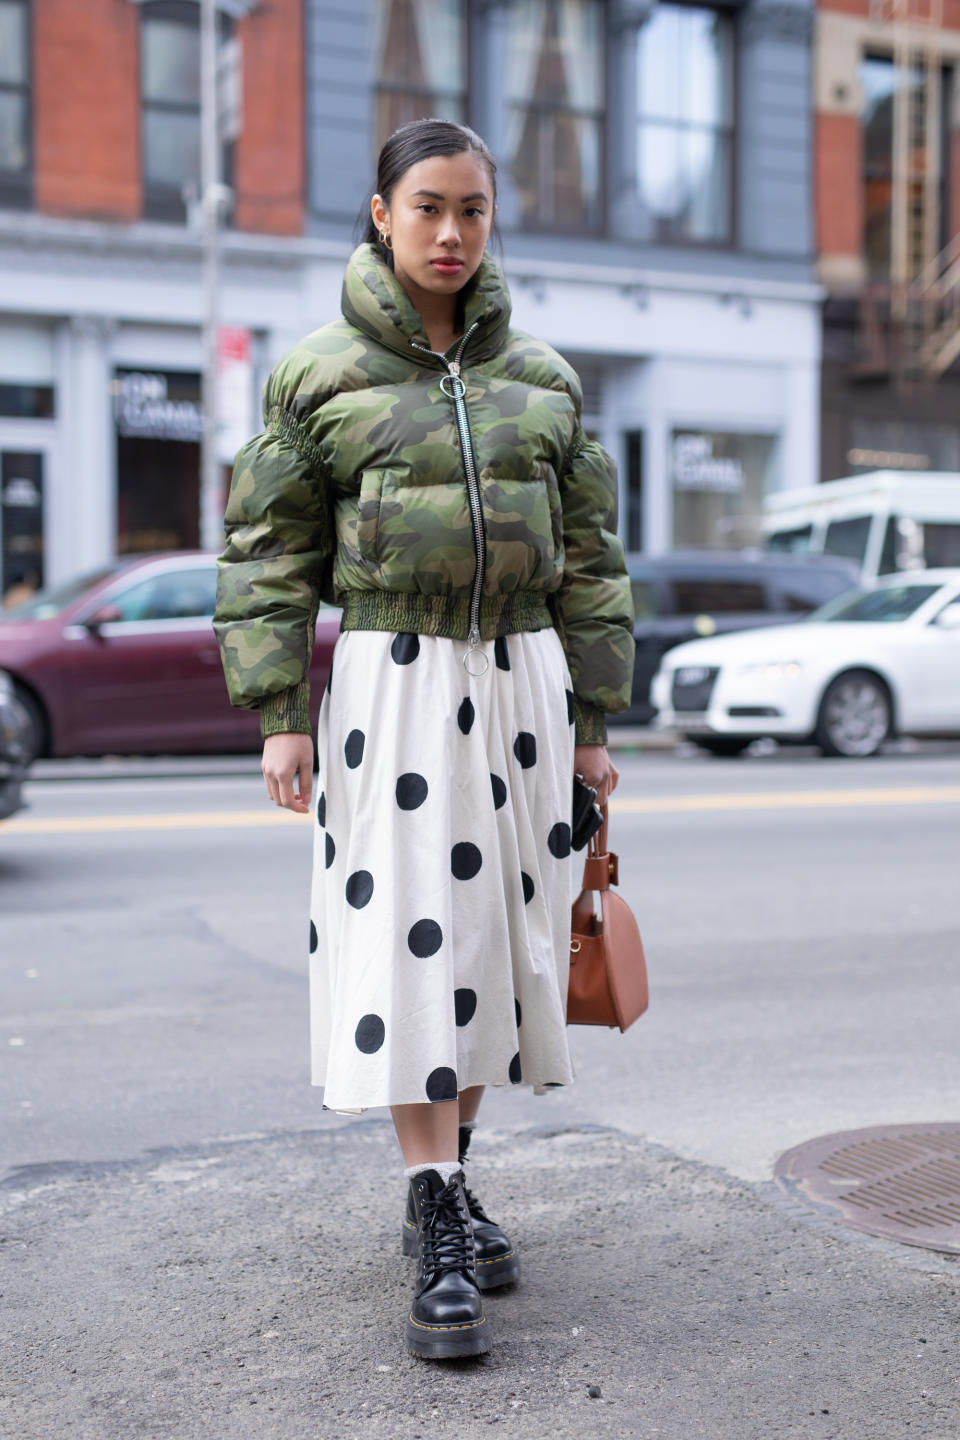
(515, 1073)
(501, 654)
(464, 1005)
(442, 1084)
(571, 709)
(517, 1011)
(525, 749)
(558, 841)
(411, 790)
(359, 888)
(322, 809)
(465, 860)
(353, 749)
(425, 938)
(405, 649)
(553, 1084)
(330, 676)
(370, 1034)
(499, 792)
(466, 715)
(331, 849)
(314, 942)
(528, 887)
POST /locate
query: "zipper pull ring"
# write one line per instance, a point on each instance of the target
(475, 661)
(457, 388)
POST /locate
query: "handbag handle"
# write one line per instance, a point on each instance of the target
(601, 868)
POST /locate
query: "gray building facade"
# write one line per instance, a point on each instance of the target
(656, 212)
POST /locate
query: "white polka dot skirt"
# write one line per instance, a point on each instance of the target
(440, 903)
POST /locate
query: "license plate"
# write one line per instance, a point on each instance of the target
(692, 675)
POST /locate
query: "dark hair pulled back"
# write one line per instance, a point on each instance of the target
(406, 147)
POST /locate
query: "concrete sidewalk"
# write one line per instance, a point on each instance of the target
(255, 1288)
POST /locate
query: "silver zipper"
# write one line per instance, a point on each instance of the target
(456, 393)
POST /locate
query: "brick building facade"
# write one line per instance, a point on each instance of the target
(887, 138)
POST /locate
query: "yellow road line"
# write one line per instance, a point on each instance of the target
(789, 800)
(652, 805)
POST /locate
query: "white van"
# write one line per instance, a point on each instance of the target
(886, 521)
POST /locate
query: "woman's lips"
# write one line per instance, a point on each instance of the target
(447, 267)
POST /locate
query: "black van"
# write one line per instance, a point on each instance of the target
(687, 594)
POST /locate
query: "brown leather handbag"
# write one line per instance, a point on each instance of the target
(608, 972)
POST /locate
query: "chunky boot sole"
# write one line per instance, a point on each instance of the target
(491, 1274)
(447, 1342)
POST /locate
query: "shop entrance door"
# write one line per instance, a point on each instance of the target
(25, 472)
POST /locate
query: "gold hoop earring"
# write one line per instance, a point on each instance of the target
(385, 240)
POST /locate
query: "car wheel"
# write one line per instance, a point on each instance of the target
(727, 745)
(36, 732)
(855, 715)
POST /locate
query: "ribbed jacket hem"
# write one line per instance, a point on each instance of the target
(446, 615)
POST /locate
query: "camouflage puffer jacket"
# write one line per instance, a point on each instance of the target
(448, 497)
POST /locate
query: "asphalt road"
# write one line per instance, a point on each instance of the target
(186, 1234)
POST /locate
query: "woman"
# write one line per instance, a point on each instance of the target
(423, 466)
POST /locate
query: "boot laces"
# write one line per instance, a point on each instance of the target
(476, 1209)
(447, 1239)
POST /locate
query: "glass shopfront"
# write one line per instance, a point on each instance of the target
(159, 423)
(719, 482)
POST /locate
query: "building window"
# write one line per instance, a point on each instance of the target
(719, 482)
(685, 107)
(634, 516)
(170, 94)
(555, 65)
(878, 81)
(15, 160)
(421, 62)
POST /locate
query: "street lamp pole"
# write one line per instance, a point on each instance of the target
(211, 194)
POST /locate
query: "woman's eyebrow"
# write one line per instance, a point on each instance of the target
(435, 195)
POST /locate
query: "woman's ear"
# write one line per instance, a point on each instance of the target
(379, 212)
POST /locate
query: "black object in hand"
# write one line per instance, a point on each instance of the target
(587, 818)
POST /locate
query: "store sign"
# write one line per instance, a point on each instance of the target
(145, 409)
(696, 467)
(235, 419)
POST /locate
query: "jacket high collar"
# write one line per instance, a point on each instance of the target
(375, 302)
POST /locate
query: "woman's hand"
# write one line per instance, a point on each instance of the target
(597, 769)
(286, 757)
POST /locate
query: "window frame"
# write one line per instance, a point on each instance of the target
(16, 186)
(393, 88)
(730, 240)
(161, 202)
(563, 226)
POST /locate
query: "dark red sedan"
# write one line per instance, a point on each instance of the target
(125, 662)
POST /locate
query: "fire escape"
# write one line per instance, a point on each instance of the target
(910, 327)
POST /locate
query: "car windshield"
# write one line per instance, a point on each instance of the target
(886, 605)
(48, 603)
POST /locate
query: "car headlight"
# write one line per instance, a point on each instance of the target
(773, 669)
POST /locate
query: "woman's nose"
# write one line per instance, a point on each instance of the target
(449, 231)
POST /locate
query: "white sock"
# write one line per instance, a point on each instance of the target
(444, 1168)
(468, 1124)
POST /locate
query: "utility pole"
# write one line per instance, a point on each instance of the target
(211, 197)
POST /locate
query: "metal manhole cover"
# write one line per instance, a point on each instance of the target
(899, 1181)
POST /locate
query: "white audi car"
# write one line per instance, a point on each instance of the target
(870, 664)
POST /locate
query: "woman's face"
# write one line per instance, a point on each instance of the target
(438, 222)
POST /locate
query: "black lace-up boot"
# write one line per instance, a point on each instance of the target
(446, 1318)
(497, 1261)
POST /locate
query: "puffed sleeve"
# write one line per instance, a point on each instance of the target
(593, 607)
(273, 570)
